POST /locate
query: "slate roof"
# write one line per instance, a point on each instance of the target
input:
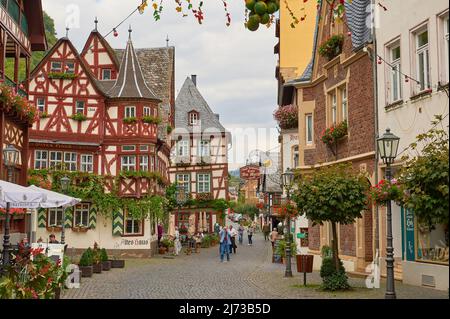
(190, 99)
(130, 82)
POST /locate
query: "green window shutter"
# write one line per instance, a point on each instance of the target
(117, 223)
(42, 218)
(93, 217)
(68, 220)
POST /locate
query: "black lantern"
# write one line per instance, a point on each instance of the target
(287, 178)
(65, 181)
(388, 147)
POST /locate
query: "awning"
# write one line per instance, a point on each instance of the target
(19, 197)
(55, 199)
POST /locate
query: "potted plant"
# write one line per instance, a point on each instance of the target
(117, 263)
(97, 259)
(80, 228)
(332, 47)
(106, 263)
(166, 243)
(85, 263)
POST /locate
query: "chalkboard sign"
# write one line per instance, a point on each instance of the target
(276, 256)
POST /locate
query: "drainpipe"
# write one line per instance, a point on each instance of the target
(376, 124)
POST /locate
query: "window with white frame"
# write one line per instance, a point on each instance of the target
(56, 67)
(152, 163)
(132, 226)
(70, 161)
(184, 180)
(81, 215)
(333, 108)
(130, 111)
(128, 148)
(444, 51)
(396, 82)
(423, 59)
(147, 111)
(203, 183)
(55, 160)
(70, 67)
(128, 163)
(79, 107)
(143, 163)
(87, 163)
(106, 74)
(40, 103)
(309, 129)
(183, 148)
(204, 149)
(193, 118)
(295, 156)
(55, 217)
(344, 105)
(40, 159)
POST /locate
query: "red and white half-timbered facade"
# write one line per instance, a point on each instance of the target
(102, 117)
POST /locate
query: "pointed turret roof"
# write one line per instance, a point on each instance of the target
(131, 82)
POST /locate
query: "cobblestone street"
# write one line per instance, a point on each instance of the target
(250, 274)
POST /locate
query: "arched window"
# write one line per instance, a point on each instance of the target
(295, 156)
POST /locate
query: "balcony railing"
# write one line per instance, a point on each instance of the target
(13, 9)
(12, 84)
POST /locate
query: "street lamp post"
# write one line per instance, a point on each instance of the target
(387, 147)
(10, 159)
(288, 178)
(65, 181)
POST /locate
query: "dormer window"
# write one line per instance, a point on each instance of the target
(106, 74)
(56, 67)
(193, 118)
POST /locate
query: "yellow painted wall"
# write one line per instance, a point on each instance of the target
(296, 44)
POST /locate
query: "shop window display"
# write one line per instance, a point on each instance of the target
(432, 243)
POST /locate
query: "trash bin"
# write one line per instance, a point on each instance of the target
(305, 263)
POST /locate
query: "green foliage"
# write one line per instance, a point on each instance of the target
(87, 259)
(249, 210)
(334, 133)
(151, 119)
(425, 178)
(332, 47)
(79, 117)
(104, 255)
(281, 249)
(62, 75)
(166, 242)
(337, 281)
(130, 120)
(328, 267)
(206, 241)
(169, 129)
(333, 193)
(326, 251)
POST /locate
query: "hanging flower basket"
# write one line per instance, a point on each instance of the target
(385, 191)
(332, 47)
(18, 104)
(288, 210)
(287, 117)
(334, 133)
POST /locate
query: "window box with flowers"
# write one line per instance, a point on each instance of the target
(79, 117)
(334, 133)
(385, 191)
(130, 120)
(332, 47)
(80, 228)
(151, 119)
(204, 197)
(44, 115)
(18, 104)
(62, 75)
(287, 117)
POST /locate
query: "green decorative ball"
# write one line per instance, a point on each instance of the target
(265, 18)
(249, 4)
(272, 7)
(253, 22)
(260, 8)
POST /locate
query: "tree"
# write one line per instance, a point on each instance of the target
(334, 194)
(425, 177)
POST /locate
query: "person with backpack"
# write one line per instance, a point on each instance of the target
(225, 242)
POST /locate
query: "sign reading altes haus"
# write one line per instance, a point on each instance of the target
(250, 172)
(15, 30)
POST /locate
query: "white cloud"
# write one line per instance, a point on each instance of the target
(235, 67)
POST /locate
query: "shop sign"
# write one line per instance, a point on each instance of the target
(409, 230)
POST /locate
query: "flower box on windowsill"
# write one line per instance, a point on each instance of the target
(80, 229)
(393, 105)
(62, 75)
(421, 94)
(54, 229)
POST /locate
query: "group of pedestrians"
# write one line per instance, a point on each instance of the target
(228, 236)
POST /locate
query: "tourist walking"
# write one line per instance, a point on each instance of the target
(177, 241)
(266, 231)
(250, 231)
(217, 228)
(241, 234)
(233, 234)
(273, 236)
(225, 242)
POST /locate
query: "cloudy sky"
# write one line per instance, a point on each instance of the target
(235, 67)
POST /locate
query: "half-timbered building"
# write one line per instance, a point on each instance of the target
(199, 160)
(21, 33)
(104, 112)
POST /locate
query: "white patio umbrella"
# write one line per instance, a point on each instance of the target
(55, 199)
(19, 197)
